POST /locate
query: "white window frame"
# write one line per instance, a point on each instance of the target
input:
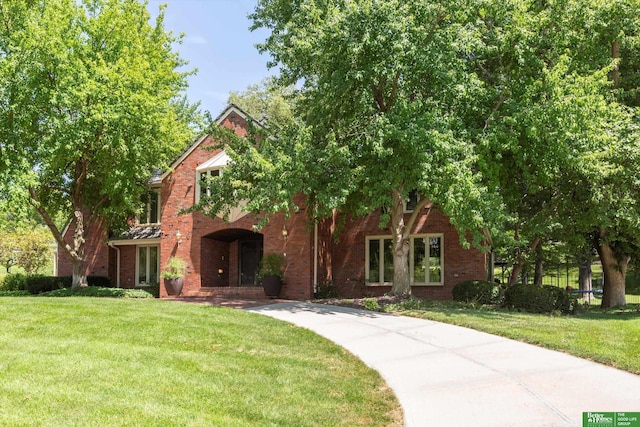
(412, 238)
(148, 264)
(199, 178)
(146, 216)
(216, 163)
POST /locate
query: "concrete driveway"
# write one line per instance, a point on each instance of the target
(445, 375)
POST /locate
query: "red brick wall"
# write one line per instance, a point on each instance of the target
(178, 193)
(96, 252)
(348, 264)
(128, 266)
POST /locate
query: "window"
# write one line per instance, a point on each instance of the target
(425, 260)
(151, 213)
(147, 266)
(210, 168)
(412, 202)
(202, 179)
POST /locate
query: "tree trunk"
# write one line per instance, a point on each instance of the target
(515, 272)
(584, 276)
(615, 73)
(615, 270)
(400, 236)
(519, 263)
(537, 276)
(79, 278)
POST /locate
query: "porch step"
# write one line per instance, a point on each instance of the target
(250, 292)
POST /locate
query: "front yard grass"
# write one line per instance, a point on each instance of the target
(89, 361)
(611, 337)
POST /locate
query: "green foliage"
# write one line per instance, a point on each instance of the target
(29, 248)
(326, 290)
(407, 304)
(36, 284)
(268, 102)
(371, 304)
(94, 291)
(174, 269)
(382, 114)
(478, 291)
(272, 264)
(39, 284)
(379, 115)
(633, 282)
(89, 107)
(538, 299)
(563, 129)
(14, 282)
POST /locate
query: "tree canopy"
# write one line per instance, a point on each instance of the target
(386, 93)
(514, 112)
(89, 108)
(564, 130)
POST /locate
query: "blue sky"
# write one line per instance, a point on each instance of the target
(219, 44)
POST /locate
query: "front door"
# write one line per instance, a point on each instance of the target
(250, 254)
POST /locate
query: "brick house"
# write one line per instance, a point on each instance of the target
(222, 257)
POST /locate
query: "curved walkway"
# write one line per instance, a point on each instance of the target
(445, 375)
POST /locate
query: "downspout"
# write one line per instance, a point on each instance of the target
(111, 245)
(315, 257)
(55, 259)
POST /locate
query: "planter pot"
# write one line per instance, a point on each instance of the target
(271, 286)
(174, 286)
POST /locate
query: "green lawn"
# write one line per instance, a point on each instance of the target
(90, 361)
(611, 337)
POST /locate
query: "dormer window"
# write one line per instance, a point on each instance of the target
(211, 168)
(151, 213)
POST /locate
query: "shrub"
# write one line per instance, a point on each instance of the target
(99, 281)
(326, 290)
(537, 299)
(478, 291)
(14, 282)
(174, 269)
(371, 305)
(94, 291)
(39, 284)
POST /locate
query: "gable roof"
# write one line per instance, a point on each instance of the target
(231, 109)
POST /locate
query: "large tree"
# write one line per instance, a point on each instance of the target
(89, 109)
(565, 126)
(386, 92)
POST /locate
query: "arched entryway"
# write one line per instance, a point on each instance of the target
(230, 258)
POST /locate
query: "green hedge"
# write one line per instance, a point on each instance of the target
(39, 284)
(478, 291)
(99, 292)
(13, 282)
(539, 299)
